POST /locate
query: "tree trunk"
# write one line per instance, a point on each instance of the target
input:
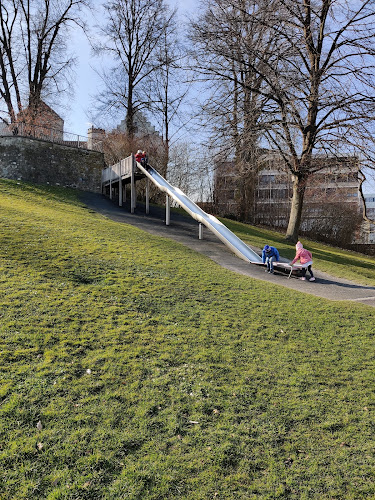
(165, 157)
(164, 160)
(296, 209)
(129, 119)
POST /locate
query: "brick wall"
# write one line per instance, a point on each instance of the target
(44, 162)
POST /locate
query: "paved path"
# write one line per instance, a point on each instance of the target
(184, 229)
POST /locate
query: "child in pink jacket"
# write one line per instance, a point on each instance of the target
(305, 258)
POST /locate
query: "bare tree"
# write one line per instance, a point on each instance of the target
(317, 82)
(190, 171)
(228, 40)
(334, 222)
(168, 90)
(33, 51)
(133, 33)
(321, 88)
(9, 81)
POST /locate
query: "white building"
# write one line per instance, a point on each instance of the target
(369, 229)
(142, 126)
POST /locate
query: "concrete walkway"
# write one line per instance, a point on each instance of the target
(184, 229)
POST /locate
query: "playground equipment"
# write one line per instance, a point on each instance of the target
(128, 171)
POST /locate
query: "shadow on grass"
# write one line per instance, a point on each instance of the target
(353, 286)
(343, 260)
(327, 282)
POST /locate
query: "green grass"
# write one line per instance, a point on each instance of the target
(157, 374)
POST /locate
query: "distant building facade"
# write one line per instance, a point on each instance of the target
(44, 123)
(144, 131)
(368, 227)
(335, 182)
(142, 126)
(334, 186)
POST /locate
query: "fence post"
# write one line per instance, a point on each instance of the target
(200, 236)
(147, 196)
(133, 195)
(167, 210)
(120, 184)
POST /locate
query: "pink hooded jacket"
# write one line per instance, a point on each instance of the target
(303, 255)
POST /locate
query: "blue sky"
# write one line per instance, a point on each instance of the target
(87, 81)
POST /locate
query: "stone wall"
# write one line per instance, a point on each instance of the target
(44, 162)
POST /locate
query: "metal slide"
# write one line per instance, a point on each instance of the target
(212, 223)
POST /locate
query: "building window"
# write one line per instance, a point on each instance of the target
(266, 179)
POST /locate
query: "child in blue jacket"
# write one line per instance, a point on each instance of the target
(269, 256)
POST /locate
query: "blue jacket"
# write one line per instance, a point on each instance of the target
(273, 253)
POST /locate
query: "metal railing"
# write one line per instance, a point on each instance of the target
(46, 133)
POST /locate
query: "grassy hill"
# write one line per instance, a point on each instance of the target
(133, 368)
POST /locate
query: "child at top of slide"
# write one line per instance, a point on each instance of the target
(138, 156)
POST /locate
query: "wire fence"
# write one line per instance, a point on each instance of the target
(54, 135)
